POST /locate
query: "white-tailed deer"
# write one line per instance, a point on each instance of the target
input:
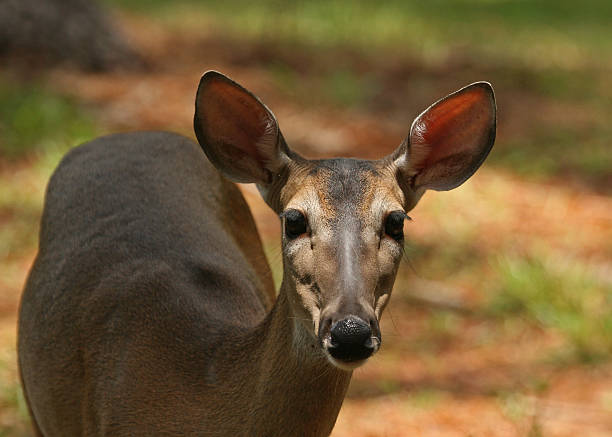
(150, 308)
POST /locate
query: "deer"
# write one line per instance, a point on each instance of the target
(150, 307)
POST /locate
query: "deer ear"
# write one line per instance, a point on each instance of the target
(238, 133)
(448, 141)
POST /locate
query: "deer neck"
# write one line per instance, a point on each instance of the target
(298, 392)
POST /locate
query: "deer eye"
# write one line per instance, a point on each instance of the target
(295, 223)
(394, 225)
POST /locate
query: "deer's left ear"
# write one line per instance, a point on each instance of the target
(238, 133)
(447, 142)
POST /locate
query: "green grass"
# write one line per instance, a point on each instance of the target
(570, 301)
(555, 32)
(543, 289)
(33, 118)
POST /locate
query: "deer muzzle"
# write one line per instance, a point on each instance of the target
(349, 341)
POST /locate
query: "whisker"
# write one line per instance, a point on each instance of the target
(298, 318)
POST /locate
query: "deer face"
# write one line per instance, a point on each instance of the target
(342, 243)
(342, 219)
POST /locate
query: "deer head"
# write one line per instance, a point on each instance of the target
(342, 219)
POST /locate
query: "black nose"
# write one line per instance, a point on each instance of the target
(351, 340)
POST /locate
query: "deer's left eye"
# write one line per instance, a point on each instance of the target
(295, 223)
(394, 225)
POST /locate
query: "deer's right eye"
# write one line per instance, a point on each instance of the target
(295, 223)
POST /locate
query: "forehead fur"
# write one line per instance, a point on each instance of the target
(345, 187)
(347, 181)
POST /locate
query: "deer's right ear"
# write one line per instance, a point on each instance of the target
(238, 133)
(447, 142)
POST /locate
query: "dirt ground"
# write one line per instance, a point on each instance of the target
(474, 376)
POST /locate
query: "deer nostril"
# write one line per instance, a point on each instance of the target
(350, 331)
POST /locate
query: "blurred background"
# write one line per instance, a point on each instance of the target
(501, 318)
